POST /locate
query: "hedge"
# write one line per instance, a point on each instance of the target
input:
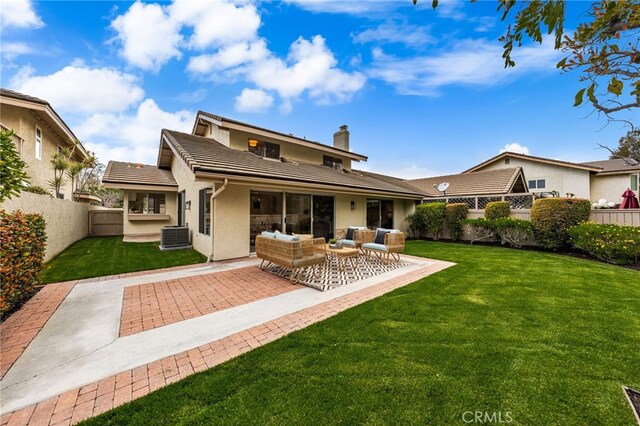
(497, 210)
(551, 219)
(21, 257)
(480, 229)
(456, 213)
(611, 243)
(434, 217)
(514, 232)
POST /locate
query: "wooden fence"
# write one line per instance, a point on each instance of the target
(629, 217)
(105, 222)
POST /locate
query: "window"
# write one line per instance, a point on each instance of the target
(204, 210)
(38, 143)
(507, 160)
(264, 149)
(147, 203)
(537, 184)
(634, 182)
(329, 161)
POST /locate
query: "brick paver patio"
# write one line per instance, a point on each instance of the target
(90, 400)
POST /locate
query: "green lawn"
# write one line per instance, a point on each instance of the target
(98, 256)
(545, 337)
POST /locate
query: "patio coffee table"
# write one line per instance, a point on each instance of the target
(342, 254)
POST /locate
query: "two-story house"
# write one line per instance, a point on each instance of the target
(228, 181)
(39, 132)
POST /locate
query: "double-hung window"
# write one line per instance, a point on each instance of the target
(38, 147)
(537, 184)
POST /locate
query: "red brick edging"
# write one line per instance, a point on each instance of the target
(96, 398)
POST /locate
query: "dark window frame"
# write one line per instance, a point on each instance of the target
(329, 161)
(264, 149)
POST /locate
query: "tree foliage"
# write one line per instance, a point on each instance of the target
(604, 48)
(628, 146)
(80, 173)
(13, 178)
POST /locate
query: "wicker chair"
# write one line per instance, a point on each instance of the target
(293, 255)
(360, 236)
(391, 249)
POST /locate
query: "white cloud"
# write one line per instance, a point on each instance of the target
(19, 14)
(467, 62)
(515, 147)
(365, 7)
(11, 50)
(148, 35)
(253, 100)
(391, 32)
(80, 89)
(229, 56)
(216, 22)
(131, 137)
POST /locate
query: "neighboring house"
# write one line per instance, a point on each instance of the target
(606, 179)
(500, 181)
(229, 181)
(39, 133)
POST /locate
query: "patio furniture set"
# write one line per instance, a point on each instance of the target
(300, 252)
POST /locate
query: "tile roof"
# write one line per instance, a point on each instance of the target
(207, 155)
(12, 94)
(615, 165)
(498, 181)
(136, 173)
(304, 140)
(583, 166)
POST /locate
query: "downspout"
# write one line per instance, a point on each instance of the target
(213, 196)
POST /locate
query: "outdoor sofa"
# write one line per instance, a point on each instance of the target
(355, 236)
(290, 252)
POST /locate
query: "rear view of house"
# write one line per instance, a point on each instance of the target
(228, 181)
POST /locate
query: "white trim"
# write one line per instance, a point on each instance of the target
(38, 143)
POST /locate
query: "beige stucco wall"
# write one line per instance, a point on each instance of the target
(151, 227)
(231, 223)
(23, 122)
(66, 220)
(345, 216)
(558, 178)
(609, 187)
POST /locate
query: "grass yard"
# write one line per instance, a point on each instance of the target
(545, 337)
(98, 256)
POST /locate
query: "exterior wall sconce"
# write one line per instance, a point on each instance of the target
(353, 205)
(187, 205)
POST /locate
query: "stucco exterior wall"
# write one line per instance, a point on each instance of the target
(149, 227)
(24, 123)
(66, 221)
(609, 187)
(345, 216)
(558, 178)
(231, 223)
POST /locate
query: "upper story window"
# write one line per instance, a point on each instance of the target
(330, 161)
(264, 149)
(537, 184)
(634, 182)
(507, 160)
(147, 203)
(38, 151)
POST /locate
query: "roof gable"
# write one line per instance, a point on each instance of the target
(581, 166)
(500, 181)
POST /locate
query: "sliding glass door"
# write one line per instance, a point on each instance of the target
(298, 217)
(265, 214)
(380, 214)
(323, 216)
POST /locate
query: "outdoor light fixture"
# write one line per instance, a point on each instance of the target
(187, 205)
(353, 205)
(253, 143)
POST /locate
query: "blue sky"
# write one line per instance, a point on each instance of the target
(424, 91)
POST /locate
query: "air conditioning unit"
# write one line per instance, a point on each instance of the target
(174, 238)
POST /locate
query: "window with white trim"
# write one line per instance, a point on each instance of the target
(38, 148)
(537, 184)
(634, 183)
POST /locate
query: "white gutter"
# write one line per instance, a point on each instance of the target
(213, 196)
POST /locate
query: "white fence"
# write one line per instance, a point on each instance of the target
(66, 220)
(479, 202)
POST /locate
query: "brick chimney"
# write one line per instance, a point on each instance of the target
(341, 138)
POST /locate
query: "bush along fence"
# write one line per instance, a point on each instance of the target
(556, 224)
(21, 257)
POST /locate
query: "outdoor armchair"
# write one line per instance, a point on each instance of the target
(291, 253)
(386, 245)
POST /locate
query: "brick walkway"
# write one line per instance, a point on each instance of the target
(99, 397)
(154, 305)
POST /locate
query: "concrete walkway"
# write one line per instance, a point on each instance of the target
(79, 345)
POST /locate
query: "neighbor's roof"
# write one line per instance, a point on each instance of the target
(223, 121)
(499, 181)
(583, 166)
(43, 109)
(137, 174)
(616, 165)
(207, 155)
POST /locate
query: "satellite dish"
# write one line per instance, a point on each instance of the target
(442, 187)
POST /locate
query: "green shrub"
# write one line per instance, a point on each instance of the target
(497, 210)
(611, 243)
(480, 229)
(551, 219)
(417, 225)
(456, 213)
(434, 217)
(21, 257)
(37, 190)
(515, 232)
